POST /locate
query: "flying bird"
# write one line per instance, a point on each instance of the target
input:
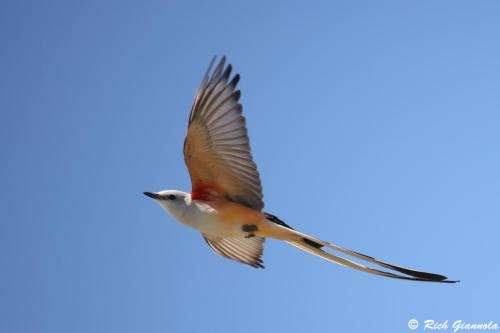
(226, 202)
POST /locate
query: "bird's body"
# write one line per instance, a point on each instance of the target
(218, 218)
(221, 218)
(225, 203)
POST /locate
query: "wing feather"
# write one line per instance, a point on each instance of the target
(216, 149)
(244, 250)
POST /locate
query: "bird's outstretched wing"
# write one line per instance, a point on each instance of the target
(216, 149)
(245, 250)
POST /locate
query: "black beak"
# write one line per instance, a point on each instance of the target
(152, 195)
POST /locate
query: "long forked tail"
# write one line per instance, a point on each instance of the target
(315, 246)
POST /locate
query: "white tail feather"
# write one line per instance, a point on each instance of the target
(313, 246)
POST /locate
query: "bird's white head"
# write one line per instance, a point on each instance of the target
(174, 202)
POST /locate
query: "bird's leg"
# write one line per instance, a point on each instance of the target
(250, 228)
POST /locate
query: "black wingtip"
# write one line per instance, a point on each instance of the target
(210, 65)
(235, 81)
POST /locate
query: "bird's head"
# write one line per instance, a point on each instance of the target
(174, 202)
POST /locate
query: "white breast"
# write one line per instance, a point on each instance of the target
(203, 217)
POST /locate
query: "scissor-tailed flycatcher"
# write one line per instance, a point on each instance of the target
(225, 203)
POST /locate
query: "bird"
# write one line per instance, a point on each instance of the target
(226, 201)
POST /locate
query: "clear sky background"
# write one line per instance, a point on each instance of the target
(374, 124)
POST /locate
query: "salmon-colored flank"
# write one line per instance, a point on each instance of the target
(233, 213)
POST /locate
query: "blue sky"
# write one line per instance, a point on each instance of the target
(375, 125)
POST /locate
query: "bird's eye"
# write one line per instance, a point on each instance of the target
(171, 196)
